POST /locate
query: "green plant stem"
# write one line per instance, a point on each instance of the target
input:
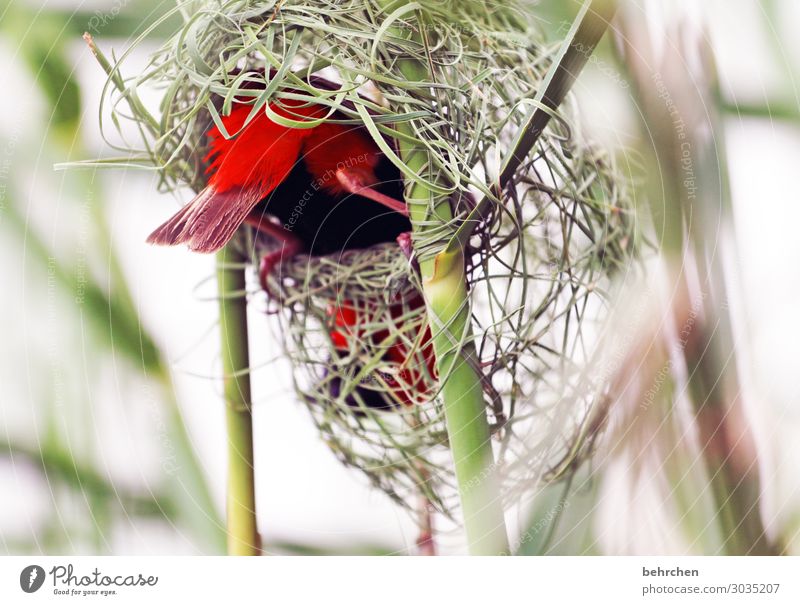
(241, 506)
(444, 284)
(445, 291)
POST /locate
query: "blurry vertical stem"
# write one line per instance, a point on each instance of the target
(241, 506)
(691, 208)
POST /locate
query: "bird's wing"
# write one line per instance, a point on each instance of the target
(262, 154)
(209, 221)
(244, 170)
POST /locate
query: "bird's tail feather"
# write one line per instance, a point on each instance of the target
(208, 222)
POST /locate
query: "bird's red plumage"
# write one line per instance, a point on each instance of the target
(409, 380)
(260, 156)
(263, 152)
(245, 166)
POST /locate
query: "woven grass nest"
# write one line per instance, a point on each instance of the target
(538, 266)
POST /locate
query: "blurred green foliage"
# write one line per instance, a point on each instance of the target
(43, 39)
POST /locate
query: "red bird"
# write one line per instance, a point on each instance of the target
(320, 190)
(408, 381)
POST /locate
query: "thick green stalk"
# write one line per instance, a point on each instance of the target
(241, 507)
(465, 409)
(444, 287)
(445, 291)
